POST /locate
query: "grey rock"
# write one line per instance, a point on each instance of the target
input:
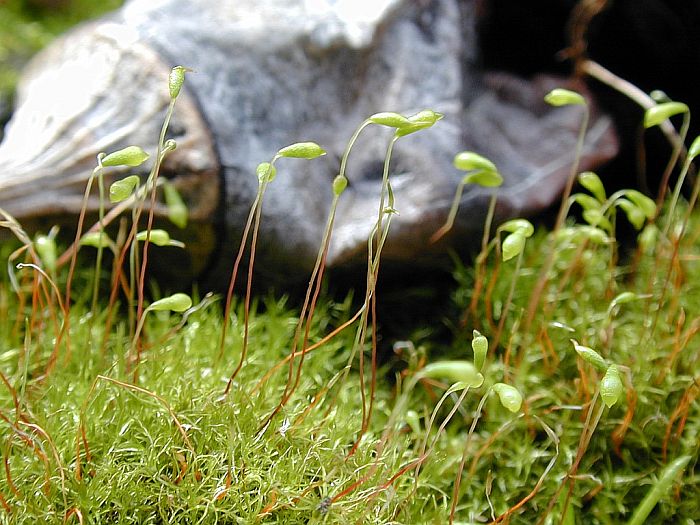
(274, 72)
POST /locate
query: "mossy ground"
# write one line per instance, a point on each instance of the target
(84, 440)
(130, 461)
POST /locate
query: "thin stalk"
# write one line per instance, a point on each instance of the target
(678, 148)
(135, 350)
(304, 320)
(635, 94)
(449, 222)
(561, 216)
(153, 177)
(465, 451)
(586, 435)
(379, 236)
(351, 143)
(98, 259)
(362, 311)
(481, 258)
(64, 310)
(309, 302)
(314, 346)
(509, 300)
(679, 182)
(249, 284)
(74, 254)
(456, 406)
(236, 264)
(675, 244)
(585, 438)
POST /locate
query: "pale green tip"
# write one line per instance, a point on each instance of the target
(611, 387)
(657, 114)
(123, 188)
(590, 356)
(178, 302)
(564, 97)
(302, 150)
(175, 80)
(130, 156)
(510, 397)
(512, 245)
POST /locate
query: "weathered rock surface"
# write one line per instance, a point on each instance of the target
(271, 73)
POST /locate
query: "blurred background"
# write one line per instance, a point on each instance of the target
(28, 25)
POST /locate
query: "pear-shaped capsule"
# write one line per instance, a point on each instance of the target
(480, 347)
(178, 302)
(611, 387)
(130, 156)
(509, 396)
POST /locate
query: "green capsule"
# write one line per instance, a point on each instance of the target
(564, 97)
(513, 245)
(96, 240)
(624, 297)
(339, 185)
(130, 156)
(178, 302)
(468, 161)
(694, 149)
(177, 210)
(45, 246)
(510, 397)
(389, 119)
(454, 371)
(266, 172)
(592, 183)
(655, 115)
(122, 189)
(421, 120)
(302, 150)
(175, 80)
(634, 214)
(611, 387)
(590, 356)
(484, 178)
(595, 217)
(586, 201)
(644, 203)
(159, 238)
(647, 239)
(522, 226)
(480, 346)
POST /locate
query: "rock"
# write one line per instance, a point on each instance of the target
(272, 73)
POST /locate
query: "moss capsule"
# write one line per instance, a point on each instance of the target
(510, 397)
(611, 387)
(480, 346)
(130, 156)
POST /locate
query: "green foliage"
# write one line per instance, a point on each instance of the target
(642, 363)
(138, 419)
